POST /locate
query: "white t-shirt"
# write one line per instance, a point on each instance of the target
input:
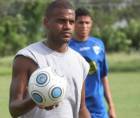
(75, 69)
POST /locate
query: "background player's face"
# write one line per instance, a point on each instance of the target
(60, 25)
(83, 26)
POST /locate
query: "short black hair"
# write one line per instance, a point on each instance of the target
(82, 12)
(62, 4)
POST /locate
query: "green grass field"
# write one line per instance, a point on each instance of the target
(124, 79)
(126, 93)
(4, 96)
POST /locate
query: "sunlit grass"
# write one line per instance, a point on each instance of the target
(124, 62)
(125, 89)
(4, 96)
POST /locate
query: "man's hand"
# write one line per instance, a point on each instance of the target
(48, 107)
(112, 113)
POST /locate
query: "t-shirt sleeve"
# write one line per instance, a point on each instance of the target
(27, 53)
(85, 66)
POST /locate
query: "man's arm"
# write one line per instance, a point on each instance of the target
(112, 113)
(20, 102)
(83, 113)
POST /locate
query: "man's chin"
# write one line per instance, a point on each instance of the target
(66, 40)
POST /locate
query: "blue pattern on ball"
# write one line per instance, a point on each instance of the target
(56, 92)
(41, 78)
(37, 98)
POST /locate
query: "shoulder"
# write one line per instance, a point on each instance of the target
(30, 49)
(83, 63)
(32, 46)
(80, 58)
(97, 40)
(28, 52)
(75, 53)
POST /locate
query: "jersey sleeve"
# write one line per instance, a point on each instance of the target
(105, 67)
(104, 63)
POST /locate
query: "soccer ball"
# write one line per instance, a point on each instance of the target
(46, 87)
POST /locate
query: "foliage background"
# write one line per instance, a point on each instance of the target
(116, 22)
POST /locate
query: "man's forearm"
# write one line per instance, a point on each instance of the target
(112, 113)
(107, 90)
(84, 113)
(21, 107)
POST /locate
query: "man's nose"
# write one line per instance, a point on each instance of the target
(84, 25)
(68, 25)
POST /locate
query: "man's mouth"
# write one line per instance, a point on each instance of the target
(67, 34)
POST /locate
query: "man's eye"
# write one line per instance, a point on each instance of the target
(61, 20)
(80, 22)
(71, 21)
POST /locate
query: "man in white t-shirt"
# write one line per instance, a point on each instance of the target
(54, 51)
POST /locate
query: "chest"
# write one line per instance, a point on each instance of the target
(91, 52)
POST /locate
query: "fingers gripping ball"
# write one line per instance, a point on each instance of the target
(46, 87)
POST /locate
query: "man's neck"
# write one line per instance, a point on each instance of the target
(80, 38)
(55, 46)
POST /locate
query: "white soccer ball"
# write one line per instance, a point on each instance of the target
(46, 87)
